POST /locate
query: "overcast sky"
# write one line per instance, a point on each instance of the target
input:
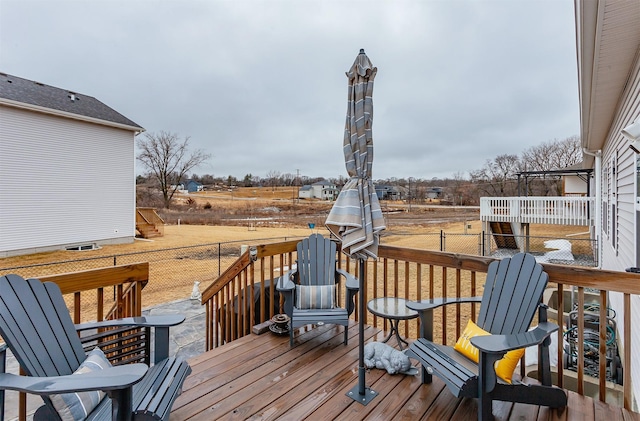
(261, 85)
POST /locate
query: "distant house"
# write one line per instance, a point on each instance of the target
(78, 157)
(319, 190)
(434, 192)
(385, 192)
(194, 186)
(305, 192)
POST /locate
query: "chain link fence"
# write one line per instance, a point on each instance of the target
(174, 271)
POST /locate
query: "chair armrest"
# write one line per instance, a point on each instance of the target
(423, 305)
(161, 323)
(286, 287)
(499, 344)
(113, 378)
(425, 311)
(144, 321)
(350, 281)
(284, 283)
(353, 286)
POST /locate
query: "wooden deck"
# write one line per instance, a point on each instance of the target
(261, 377)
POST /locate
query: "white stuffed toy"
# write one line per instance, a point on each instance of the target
(383, 356)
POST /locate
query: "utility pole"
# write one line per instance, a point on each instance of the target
(295, 183)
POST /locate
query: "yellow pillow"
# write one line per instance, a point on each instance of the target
(504, 367)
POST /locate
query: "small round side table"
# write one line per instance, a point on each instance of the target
(393, 309)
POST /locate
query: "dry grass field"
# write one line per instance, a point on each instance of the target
(243, 216)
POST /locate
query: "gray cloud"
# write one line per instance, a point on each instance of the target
(261, 85)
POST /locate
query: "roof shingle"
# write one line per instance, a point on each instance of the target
(35, 93)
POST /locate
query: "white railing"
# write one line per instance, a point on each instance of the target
(538, 210)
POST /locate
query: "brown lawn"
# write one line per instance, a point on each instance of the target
(172, 276)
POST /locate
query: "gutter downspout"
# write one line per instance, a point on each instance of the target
(598, 201)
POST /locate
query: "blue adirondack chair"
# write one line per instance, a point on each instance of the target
(512, 294)
(36, 325)
(310, 290)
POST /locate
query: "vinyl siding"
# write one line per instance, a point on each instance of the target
(64, 182)
(624, 255)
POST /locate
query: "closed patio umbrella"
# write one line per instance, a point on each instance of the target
(356, 217)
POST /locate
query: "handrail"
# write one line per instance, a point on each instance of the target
(127, 282)
(416, 274)
(150, 216)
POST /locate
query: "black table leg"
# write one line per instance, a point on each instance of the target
(394, 329)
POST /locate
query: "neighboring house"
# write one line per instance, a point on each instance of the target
(330, 193)
(385, 192)
(305, 192)
(194, 186)
(573, 181)
(434, 192)
(77, 155)
(319, 190)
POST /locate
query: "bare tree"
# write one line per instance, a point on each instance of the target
(273, 178)
(168, 159)
(497, 177)
(552, 155)
(460, 189)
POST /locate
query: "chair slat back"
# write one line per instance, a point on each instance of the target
(37, 327)
(316, 260)
(512, 293)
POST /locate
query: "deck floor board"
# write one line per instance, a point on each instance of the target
(259, 377)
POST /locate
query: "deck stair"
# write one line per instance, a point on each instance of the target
(148, 223)
(504, 235)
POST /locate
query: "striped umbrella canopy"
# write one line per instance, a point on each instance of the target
(356, 217)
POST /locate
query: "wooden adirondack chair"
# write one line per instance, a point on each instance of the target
(37, 327)
(310, 291)
(512, 294)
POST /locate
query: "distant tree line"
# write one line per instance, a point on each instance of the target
(169, 161)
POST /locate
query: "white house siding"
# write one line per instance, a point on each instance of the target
(624, 255)
(63, 182)
(574, 186)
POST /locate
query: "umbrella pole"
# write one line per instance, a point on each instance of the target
(361, 393)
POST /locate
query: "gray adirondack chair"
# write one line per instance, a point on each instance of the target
(512, 294)
(36, 325)
(316, 266)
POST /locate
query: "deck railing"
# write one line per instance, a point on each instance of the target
(105, 294)
(560, 210)
(420, 274)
